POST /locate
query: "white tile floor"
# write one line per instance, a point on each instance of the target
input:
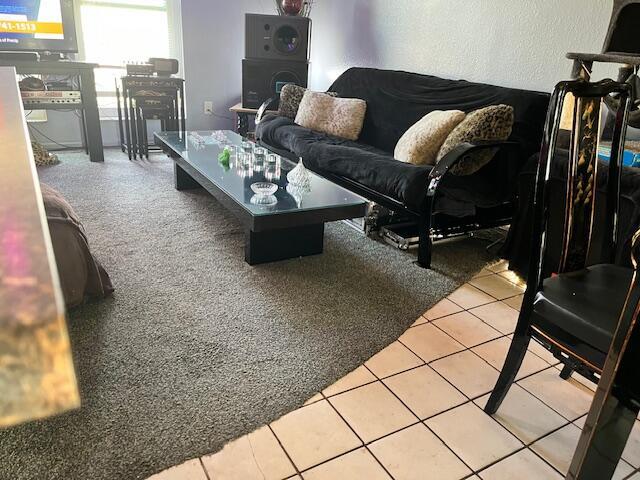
(414, 410)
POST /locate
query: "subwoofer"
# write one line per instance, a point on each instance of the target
(277, 37)
(263, 79)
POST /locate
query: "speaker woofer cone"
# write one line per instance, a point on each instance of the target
(287, 39)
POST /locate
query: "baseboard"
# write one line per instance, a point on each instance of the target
(53, 147)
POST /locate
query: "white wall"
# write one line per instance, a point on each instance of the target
(516, 43)
(213, 43)
(64, 128)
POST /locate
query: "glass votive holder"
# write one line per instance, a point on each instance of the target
(247, 146)
(244, 159)
(260, 154)
(272, 172)
(245, 172)
(272, 159)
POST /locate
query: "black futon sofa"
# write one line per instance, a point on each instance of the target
(442, 203)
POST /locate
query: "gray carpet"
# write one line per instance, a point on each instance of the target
(196, 347)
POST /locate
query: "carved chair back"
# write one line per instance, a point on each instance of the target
(581, 208)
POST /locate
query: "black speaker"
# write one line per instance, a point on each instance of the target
(263, 79)
(277, 37)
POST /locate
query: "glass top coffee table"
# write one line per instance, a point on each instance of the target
(287, 224)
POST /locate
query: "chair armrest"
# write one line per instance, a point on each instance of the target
(459, 153)
(264, 107)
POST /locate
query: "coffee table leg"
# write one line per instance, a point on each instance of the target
(183, 181)
(281, 244)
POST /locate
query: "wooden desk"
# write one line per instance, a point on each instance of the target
(242, 117)
(36, 370)
(89, 105)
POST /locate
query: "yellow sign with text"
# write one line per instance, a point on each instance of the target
(20, 26)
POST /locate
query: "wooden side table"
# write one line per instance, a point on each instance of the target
(242, 117)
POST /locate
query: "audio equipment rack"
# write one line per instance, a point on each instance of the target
(88, 108)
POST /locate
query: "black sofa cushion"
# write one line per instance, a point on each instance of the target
(362, 163)
(378, 170)
(396, 100)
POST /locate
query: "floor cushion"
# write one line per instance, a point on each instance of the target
(81, 274)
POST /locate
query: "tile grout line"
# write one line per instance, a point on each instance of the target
(379, 462)
(501, 459)
(454, 386)
(295, 467)
(204, 469)
(422, 421)
(479, 396)
(507, 335)
(502, 335)
(376, 381)
(544, 459)
(516, 381)
(491, 295)
(399, 430)
(472, 399)
(363, 443)
(335, 457)
(474, 346)
(525, 446)
(636, 470)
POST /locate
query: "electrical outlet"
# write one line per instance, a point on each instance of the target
(208, 108)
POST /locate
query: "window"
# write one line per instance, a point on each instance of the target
(114, 32)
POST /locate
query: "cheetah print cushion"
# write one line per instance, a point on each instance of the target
(421, 143)
(42, 157)
(490, 123)
(340, 117)
(290, 98)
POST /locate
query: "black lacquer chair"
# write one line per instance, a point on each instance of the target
(573, 308)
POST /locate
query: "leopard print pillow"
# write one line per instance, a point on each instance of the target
(489, 123)
(42, 157)
(290, 98)
(340, 117)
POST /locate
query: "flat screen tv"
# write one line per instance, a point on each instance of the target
(37, 26)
